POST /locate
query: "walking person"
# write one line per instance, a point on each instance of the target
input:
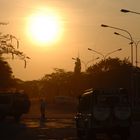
(42, 109)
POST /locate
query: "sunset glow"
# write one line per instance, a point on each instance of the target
(53, 32)
(44, 28)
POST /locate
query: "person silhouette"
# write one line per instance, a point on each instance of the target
(42, 109)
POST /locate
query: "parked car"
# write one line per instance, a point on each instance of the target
(13, 104)
(103, 112)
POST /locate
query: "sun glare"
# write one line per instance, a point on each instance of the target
(44, 28)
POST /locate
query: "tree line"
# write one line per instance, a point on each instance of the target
(109, 73)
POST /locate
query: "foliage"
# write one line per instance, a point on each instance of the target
(62, 83)
(6, 77)
(57, 83)
(111, 72)
(30, 87)
(9, 44)
(108, 65)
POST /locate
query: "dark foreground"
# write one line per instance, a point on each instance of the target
(33, 129)
(59, 125)
(52, 129)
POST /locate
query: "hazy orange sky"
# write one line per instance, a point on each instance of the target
(80, 29)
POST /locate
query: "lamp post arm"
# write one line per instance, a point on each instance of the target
(123, 36)
(133, 42)
(112, 52)
(136, 44)
(135, 12)
(103, 25)
(126, 11)
(97, 52)
(120, 30)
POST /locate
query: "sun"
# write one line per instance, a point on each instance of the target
(44, 28)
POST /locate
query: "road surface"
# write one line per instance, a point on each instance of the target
(60, 125)
(33, 129)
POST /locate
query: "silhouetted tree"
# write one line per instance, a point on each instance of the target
(6, 77)
(110, 64)
(57, 83)
(30, 87)
(117, 73)
(9, 44)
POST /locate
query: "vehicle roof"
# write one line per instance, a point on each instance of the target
(104, 91)
(11, 93)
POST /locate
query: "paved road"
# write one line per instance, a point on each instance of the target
(52, 129)
(33, 129)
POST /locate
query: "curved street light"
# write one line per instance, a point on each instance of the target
(103, 25)
(132, 71)
(104, 56)
(135, 42)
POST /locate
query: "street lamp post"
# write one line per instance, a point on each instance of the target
(132, 71)
(134, 12)
(104, 56)
(103, 25)
(135, 43)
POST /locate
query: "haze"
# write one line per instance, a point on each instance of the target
(80, 29)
